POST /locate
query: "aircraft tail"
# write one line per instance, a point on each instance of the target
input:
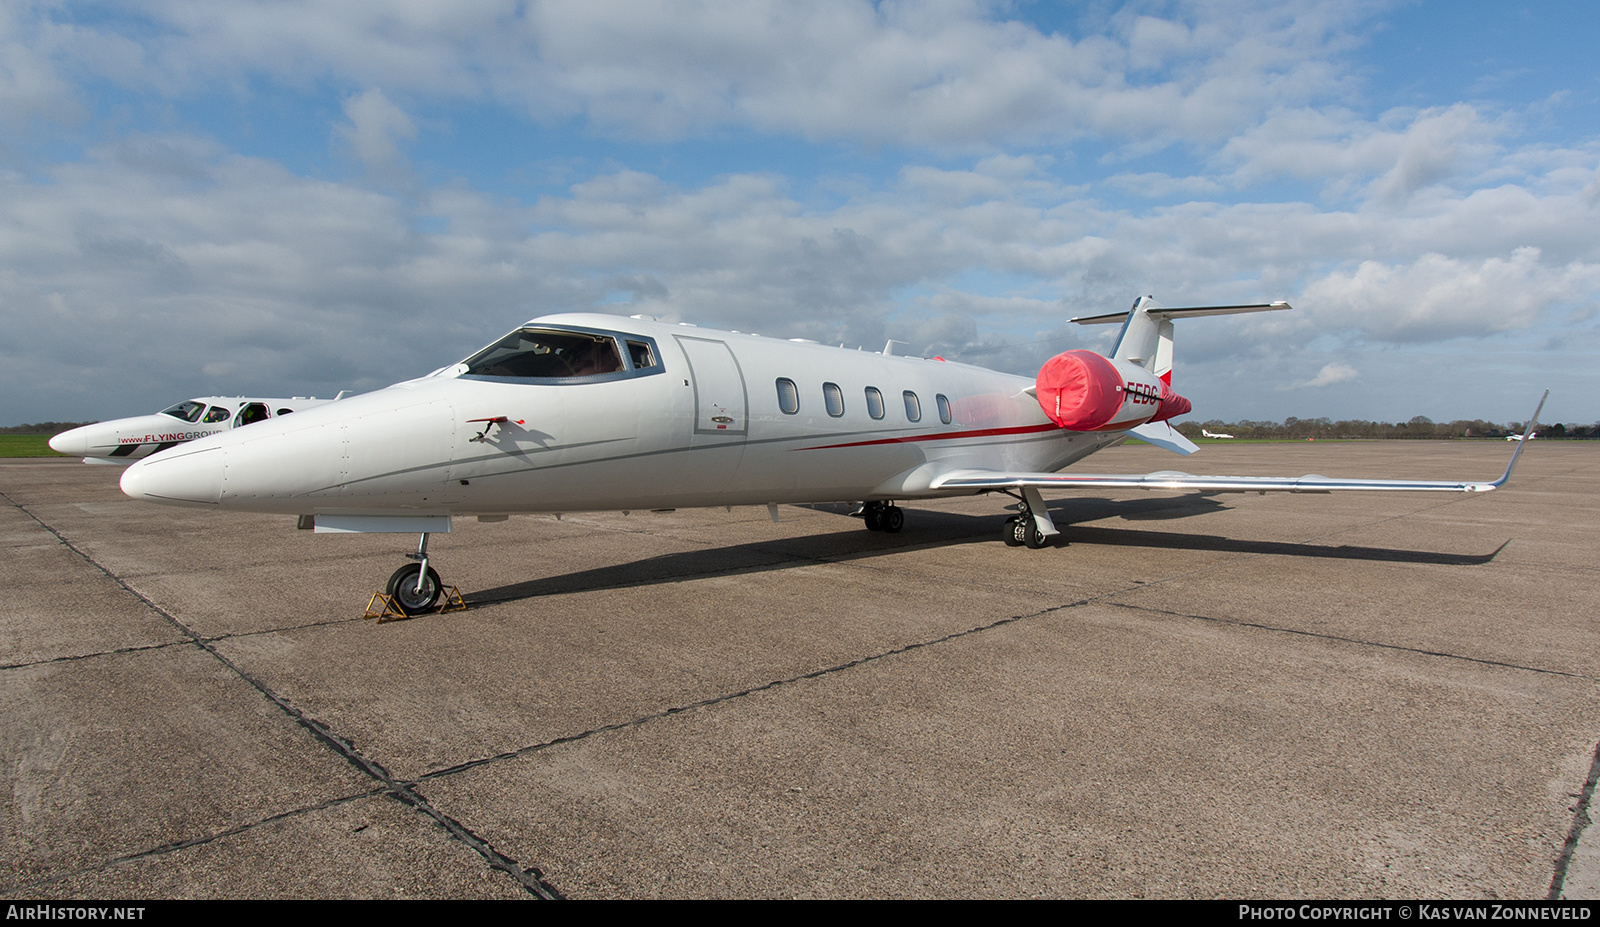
(1146, 338)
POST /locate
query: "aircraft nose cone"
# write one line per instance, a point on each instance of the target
(177, 478)
(74, 443)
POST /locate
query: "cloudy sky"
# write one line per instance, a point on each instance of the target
(203, 196)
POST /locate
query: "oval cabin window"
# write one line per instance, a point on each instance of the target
(874, 402)
(788, 396)
(833, 399)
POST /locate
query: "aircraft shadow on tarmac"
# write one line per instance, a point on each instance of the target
(934, 529)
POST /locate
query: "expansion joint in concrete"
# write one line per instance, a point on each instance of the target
(530, 879)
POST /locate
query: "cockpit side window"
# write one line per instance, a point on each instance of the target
(250, 413)
(552, 354)
(218, 414)
(641, 355)
(188, 411)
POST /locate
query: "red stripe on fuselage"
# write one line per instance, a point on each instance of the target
(946, 436)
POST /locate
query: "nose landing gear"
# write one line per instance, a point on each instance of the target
(414, 589)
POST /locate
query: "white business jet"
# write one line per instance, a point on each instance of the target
(125, 440)
(585, 412)
(1207, 434)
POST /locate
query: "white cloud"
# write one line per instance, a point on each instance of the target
(1437, 297)
(1156, 185)
(1331, 373)
(30, 86)
(943, 74)
(375, 127)
(1434, 224)
(1386, 161)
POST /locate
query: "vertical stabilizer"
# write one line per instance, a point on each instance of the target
(1140, 334)
(1163, 367)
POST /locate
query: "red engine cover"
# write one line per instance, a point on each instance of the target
(1172, 405)
(1079, 390)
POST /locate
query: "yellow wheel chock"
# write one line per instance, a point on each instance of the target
(384, 608)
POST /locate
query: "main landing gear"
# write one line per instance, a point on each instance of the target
(882, 516)
(1031, 527)
(415, 587)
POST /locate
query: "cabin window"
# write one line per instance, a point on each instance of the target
(913, 407)
(874, 402)
(187, 411)
(833, 399)
(944, 408)
(788, 396)
(251, 413)
(218, 414)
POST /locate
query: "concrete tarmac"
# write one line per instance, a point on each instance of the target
(1241, 696)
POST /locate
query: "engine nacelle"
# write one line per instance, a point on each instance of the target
(1083, 391)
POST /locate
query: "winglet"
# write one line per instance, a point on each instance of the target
(1527, 439)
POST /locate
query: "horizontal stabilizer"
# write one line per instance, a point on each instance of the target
(1162, 434)
(1191, 312)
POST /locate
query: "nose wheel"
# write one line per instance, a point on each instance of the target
(415, 588)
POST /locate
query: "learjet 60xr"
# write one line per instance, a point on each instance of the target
(587, 412)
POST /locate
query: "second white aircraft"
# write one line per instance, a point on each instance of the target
(125, 440)
(586, 412)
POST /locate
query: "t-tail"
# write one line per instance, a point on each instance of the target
(1146, 338)
(1131, 390)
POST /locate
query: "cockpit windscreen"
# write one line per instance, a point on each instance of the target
(547, 354)
(188, 411)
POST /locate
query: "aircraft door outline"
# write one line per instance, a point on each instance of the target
(721, 405)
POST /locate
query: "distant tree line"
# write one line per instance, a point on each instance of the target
(41, 428)
(1419, 427)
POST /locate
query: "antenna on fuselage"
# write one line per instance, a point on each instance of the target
(888, 348)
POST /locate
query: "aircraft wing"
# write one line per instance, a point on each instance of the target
(976, 479)
(1172, 479)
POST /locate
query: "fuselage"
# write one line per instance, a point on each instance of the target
(585, 412)
(125, 440)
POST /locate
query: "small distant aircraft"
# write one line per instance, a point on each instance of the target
(1527, 437)
(1207, 434)
(125, 440)
(586, 412)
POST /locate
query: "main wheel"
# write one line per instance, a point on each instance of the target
(873, 517)
(1015, 534)
(1035, 540)
(892, 518)
(403, 589)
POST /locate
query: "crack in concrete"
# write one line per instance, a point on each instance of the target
(1580, 821)
(402, 790)
(734, 696)
(530, 879)
(1347, 640)
(190, 842)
